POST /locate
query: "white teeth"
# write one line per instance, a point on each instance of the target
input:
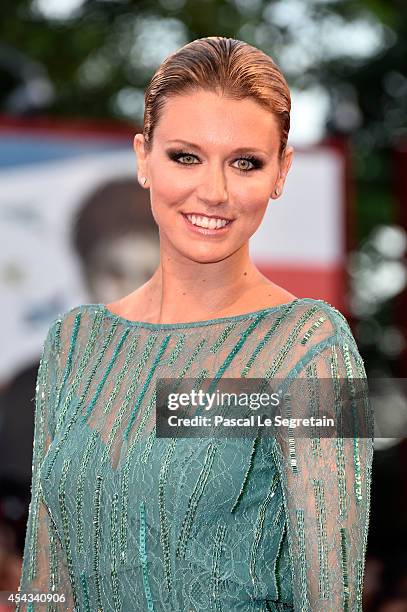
(206, 222)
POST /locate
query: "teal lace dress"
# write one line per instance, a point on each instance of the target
(121, 520)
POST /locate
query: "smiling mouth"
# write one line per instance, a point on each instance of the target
(211, 223)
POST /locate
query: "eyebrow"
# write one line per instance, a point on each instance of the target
(238, 150)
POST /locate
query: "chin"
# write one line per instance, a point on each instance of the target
(210, 256)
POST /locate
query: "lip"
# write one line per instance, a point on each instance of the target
(203, 231)
(209, 216)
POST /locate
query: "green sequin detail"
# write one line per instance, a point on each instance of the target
(121, 519)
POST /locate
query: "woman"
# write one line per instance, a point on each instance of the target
(121, 519)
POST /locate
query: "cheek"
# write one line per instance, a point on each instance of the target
(253, 207)
(169, 188)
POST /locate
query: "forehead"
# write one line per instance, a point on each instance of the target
(209, 119)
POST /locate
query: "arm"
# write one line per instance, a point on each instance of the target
(326, 486)
(44, 567)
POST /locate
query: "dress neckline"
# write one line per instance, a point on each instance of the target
(196, 324)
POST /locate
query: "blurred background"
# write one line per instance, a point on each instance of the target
(75, 226)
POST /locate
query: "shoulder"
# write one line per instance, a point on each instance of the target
(321, 319)
(321, 334)
(76, 315)
(73, 316)
(68, 329)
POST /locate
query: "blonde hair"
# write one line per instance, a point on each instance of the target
(225, 66)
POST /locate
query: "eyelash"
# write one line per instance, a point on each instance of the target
(257, 163)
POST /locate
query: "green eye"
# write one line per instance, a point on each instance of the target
(180, 155)
(191, 157)
(247, 161)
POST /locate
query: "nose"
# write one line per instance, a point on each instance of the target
(212, 188)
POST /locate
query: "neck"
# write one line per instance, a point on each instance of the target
(182, 289)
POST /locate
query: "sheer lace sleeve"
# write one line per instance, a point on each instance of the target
(326, 485)
(44, 569)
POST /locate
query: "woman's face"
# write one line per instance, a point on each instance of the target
(211, 156)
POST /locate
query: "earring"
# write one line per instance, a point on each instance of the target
(143, 180)
(277, 191)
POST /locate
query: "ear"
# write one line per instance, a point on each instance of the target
(142, 165)
(285, 165)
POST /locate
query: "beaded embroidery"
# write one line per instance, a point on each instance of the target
(121, 519)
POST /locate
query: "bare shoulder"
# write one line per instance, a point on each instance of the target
(138, 305)
(270, 294)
